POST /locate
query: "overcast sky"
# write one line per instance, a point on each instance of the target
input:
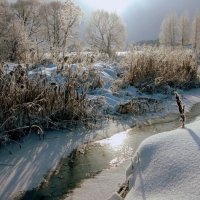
(142, 17)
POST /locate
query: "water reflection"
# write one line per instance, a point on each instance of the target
(116, 141)
(102, 155)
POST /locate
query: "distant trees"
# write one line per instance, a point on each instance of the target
(168, 31)
(4, 17)
(195, 39)
(106, 32)
(184, 30)
(27, 11)
(180, 32)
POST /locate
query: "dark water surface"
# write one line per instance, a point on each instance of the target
(101, 155)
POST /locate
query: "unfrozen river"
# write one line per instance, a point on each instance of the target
(97, 172)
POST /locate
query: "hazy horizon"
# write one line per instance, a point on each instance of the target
(141, 17)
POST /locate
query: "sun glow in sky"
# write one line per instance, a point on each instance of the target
(118, 6)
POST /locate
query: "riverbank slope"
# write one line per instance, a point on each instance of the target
(166, 166)
(26, 167)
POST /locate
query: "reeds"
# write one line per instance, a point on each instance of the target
(155, 69)
(181, 109)
(38, 101)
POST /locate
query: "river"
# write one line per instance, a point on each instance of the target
(97, 157)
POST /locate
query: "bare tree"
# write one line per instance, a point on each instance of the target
(106, 32)
(71, 15)
(14, 38)
(5, 17)
(168, 32)
(29, 28)
(17, 41)
(59, 24)
(195, 39)
(27, 12)
(184, 29)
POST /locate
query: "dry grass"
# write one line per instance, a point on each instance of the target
(153, 69)
(24, 101)
(139, 106)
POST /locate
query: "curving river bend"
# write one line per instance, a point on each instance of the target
(101, 155)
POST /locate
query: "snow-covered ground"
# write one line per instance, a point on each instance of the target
(25, 169)
(106, 95)
(101, 187)
(167, 166)
(109, 181)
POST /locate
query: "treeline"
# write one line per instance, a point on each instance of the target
(31, 28)
(180, 31)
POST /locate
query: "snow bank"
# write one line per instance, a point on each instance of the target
(101, 187)
(115, 197)
(43, 70)
(26, 167)
(167, 166)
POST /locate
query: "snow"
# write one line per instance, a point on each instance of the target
(26, 167)
(11, 66)
(121, 53)
(43, 70)
(35, 158)
(167, 166)
(108, 74)
(115, 141)
(101, 187)
(115, 197)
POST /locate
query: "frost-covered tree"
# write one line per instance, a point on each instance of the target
(28, 28)
(17, 41)
(184, 30)
(59, 22)
(14, 42)
(28, 13)
(168, 31)
(5, 15)
(71, 16)
(195, 39)
(106, 32)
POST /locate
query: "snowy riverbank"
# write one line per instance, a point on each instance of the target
(110, 180)
(166, 166)
(26, 168)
